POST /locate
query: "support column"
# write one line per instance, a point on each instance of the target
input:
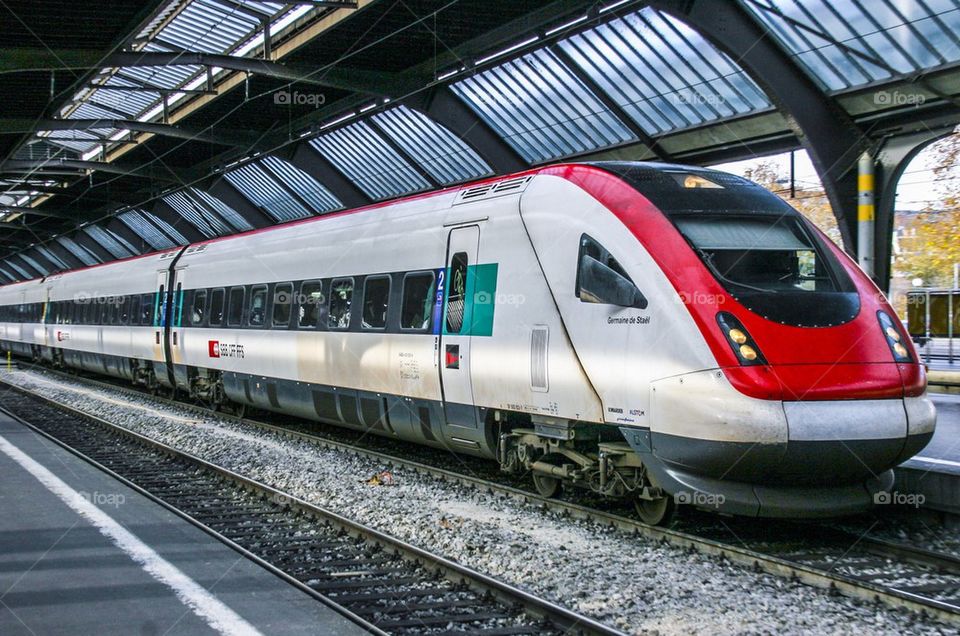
(865, 214)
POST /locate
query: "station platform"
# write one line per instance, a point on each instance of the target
(935, 471)
(80, 553)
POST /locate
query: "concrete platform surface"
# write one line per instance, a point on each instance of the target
(82, 554)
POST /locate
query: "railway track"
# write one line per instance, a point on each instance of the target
(385, 585)
(858, 566)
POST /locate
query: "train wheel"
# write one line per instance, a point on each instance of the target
(546, 486)
(656, 512)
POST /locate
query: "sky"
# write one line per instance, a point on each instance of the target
(914, 192)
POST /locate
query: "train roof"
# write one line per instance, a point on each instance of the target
(654, 180)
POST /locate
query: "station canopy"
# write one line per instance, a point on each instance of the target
(135, 126)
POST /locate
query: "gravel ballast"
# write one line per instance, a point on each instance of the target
(613, 576)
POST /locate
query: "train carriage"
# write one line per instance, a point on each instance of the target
(652, 331)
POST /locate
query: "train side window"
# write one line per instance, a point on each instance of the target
(341, 299)
(198, 309)
(376, 298)
(235, 307)
(146, 310)
(418, 301)
(457, 292)
(601, 279)
(258, 306)
(282, 302)
(310, 300)
(216, 307)
(135, 309)
(125, 311)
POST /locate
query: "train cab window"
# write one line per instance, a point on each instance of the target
(418, 301)
(282, 302)
(456, 292)
(216, 307)
(310, 300)
(258, 307)
(198, 308)
(602, 280)
(376, 298)
(235, 307)
(341, 299)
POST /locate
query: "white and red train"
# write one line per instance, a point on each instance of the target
(659, 332)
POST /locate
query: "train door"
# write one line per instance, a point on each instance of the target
(462, 248)
(176, 317)
(161, 327)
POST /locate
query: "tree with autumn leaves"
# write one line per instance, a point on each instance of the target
(929, 242)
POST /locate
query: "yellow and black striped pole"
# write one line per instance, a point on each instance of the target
(865, 213)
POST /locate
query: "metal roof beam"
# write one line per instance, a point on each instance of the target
(830, 136)
(16, 209)
(85, 240)
(225, 138)
(65, 166)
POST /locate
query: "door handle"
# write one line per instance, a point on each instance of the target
(174, 338)
(158, 337)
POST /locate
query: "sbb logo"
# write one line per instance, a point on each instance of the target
(213, 348)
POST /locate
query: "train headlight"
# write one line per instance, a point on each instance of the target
(739, 339)
(737, 336)
(894, 338)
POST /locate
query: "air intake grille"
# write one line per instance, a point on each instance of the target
(539, 340)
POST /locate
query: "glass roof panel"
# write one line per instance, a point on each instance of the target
(32, 262)
(7, 275)
(51, 256)
(541, 109)
(228, 214)
(263, 190)
(369, 161)
(844, 44)
(438, 151)
(157, 233)
(109, 241)
(663, 74)
(207, 25)
(309, 189)
(83, 254)
(22, 274)
(206, 221)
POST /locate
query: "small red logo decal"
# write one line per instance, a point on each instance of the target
(213, 348)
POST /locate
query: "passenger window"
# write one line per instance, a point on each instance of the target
(135, 302)
(282, 301)
(235, 307)
(341, 298)
(199, 309)
(146, 310)
(457, 292)
(310, 301)
(602, 280)
(418, 300)
(161, 312)
(376, 298)
(216, 307)
(258, 307)
(124, 311)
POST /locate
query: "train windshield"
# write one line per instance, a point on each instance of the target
(773, 265)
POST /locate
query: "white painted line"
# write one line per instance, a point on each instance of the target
(934, 460)
(209, 608)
